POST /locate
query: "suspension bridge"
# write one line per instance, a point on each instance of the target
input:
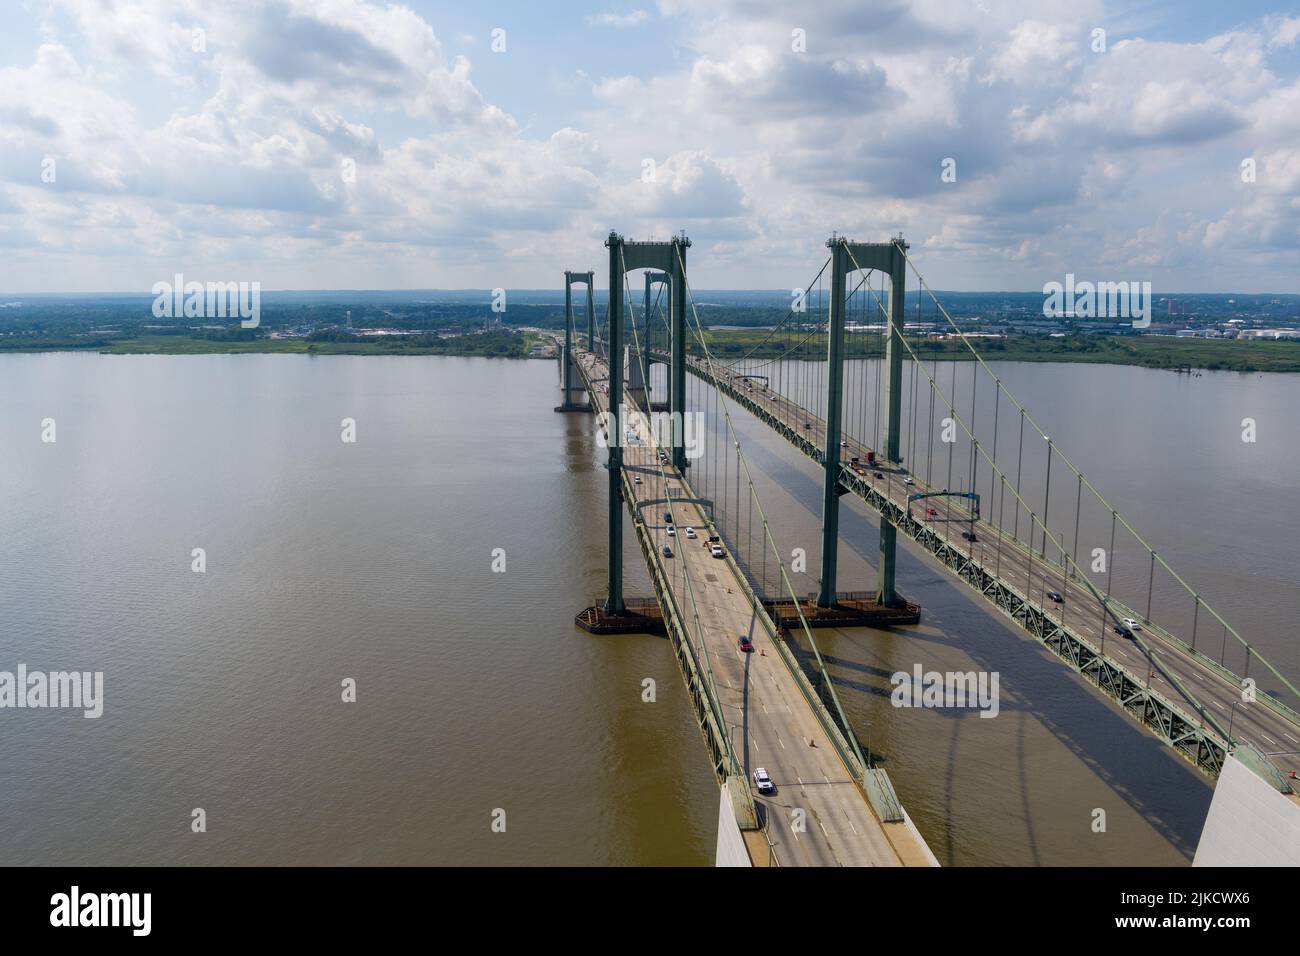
(952, 461)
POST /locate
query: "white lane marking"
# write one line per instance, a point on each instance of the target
(1289, 737)
(825, 832)
(763, 705)
(800, 779)
(781, 742)
(1217, 704)
(1267, 737)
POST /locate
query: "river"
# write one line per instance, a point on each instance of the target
(477, 702)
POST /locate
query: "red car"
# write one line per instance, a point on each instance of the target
(931, 512)
(746, 644)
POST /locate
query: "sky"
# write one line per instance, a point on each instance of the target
(346, 144)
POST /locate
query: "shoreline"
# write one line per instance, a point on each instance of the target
(729, 346)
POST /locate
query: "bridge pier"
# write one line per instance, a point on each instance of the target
(848, 257)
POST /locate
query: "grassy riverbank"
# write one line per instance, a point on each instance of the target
(491, 345)
(1239, 355)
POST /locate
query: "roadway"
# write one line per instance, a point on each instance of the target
(768, 720)
(1079, 611)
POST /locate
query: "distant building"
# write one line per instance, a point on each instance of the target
(1270, 334)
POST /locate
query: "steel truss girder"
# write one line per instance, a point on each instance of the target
(1181, 732)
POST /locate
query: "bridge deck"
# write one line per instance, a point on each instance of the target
(768, 719)
(1272, 731)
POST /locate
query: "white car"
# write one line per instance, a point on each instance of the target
(636, 479)
(908, 481)
(1131, 624)
(763, 781)
(690, 533)
(672, 532)
(717, 551)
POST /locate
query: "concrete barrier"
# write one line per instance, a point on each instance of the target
(1250, 822)
(731, 845)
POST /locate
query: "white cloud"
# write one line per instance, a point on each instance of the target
(232, 154)
(633, 18)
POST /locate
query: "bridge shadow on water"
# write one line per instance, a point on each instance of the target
(1159, 785)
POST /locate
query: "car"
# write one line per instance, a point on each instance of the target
(763, 782)
(931, 512)
(908, 481)
(1131, 624)
(879, 475)
(1123, 631)
(969, 535)
(844, 444)
(668, 552)
(806, 425)
(1055, 596)
(717, 551)
(746, 644)
(636, 479)
(668, 517)
(672, 532)
(690, 533)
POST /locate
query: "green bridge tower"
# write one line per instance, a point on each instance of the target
(848, 257)
(624, 257)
